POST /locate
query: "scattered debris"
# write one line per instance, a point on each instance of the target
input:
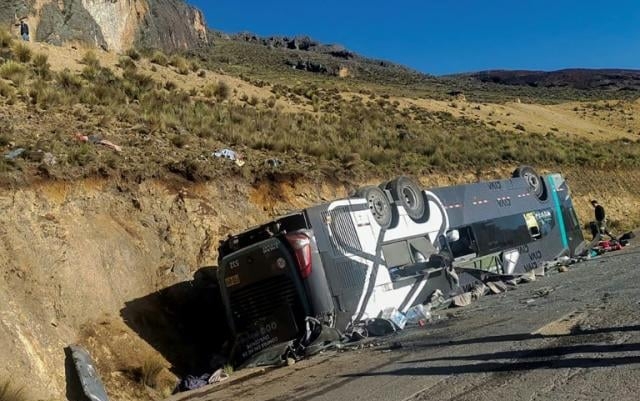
(85, 368)
(528, 277)
(418, 314)
(479, 290)
(49, 159)
(218, 376)
(193, 382)
(379, 327)
(544, 291)
(395, 316)
(229, 154)
(462, 299)
(97, 140)
(14, 154)
(497, 287)
(273, 163)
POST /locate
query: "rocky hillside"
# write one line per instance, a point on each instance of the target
(114, 24)
(587, 79)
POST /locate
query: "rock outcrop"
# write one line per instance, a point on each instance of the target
(111, 24)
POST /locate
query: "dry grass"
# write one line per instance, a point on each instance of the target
(13, 71)
(159, 58)
(150, 370)
(6, 39)
(90, 59)
(22, 52)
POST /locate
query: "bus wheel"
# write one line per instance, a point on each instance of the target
(536, 183)
(405, 190)
(378, 204)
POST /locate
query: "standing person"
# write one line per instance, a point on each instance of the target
(601, 218)
(24, 30)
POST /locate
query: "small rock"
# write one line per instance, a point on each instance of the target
(291, 361)
(563, 269)
(50, 217)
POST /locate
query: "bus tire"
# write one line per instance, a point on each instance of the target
(378, 204)
(410, 196)
(536, 183)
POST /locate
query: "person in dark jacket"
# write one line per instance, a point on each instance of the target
(24, 31)
(601, 218)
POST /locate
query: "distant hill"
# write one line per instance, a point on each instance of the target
(585, 79)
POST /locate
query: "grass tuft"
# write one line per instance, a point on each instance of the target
(22, 52)
(151, 368)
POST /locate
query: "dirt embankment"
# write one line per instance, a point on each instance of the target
(75, 257)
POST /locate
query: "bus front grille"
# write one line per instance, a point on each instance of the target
(262, 299)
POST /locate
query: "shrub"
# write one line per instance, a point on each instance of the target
(22, 52)
(159, 58)
(126, 63)
(90, 59)
(6, 39)
(133, 54)
(222, 90)
(180, 63)
(179, 141)
(6, 90)
(150, 371)
(13, 71)
(69, 81)
(41, 66)
(81, 155)
(44, 95)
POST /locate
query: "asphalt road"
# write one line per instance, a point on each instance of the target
(567, 336)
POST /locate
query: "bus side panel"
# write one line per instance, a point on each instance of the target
(338, 244)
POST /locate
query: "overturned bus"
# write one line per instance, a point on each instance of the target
(347, 260)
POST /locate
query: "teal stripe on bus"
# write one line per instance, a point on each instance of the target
(556, 201)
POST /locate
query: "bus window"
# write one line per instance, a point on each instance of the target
(406, 252)
(532, 225)
(545, 220)
(501, 233)
(465, 245)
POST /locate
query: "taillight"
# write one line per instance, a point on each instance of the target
(301, 245)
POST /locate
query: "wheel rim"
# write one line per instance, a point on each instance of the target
(410, 197)
(377, 207)
(533, 181)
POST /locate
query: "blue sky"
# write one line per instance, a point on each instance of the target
(442, 37)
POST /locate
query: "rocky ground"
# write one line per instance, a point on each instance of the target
(568, 336)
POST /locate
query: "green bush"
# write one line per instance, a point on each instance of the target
(180, 63)
(22, 52)
(13, 71)
(69, 81)
(133, 54)
(90, 59)
(222, 91)
(41, 66)
(6, 39)
(126, 63)
(159, 58)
